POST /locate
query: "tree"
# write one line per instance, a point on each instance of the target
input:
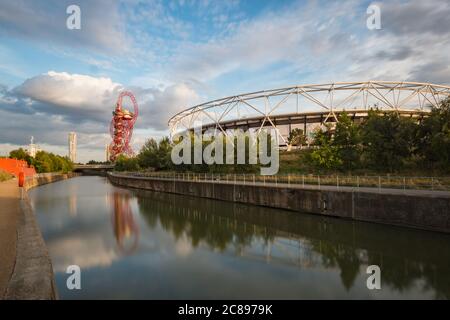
(156, 155)
(18, 154)
(347, 140)
(21, 154)
(124, 163)
(388, 141)
(296, 137)
(148, 154)
(48, 162)
(325, 156)
(164, 152)
(434, 138)
(43, 162)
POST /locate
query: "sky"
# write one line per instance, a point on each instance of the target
(174, 54)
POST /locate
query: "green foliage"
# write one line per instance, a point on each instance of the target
(156, 155)
(124, 163)
(388, 141)
(297, 137)
(44, 161)
(49, 162)
(221, 166)
(325, 154)
(21, 154)
(434, 138)
(347, 141)
(385, 143)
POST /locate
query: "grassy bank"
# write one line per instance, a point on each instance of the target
(4, 176)
(296, 162)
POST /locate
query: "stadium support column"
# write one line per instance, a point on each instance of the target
(304, 126)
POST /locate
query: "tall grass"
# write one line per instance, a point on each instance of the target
(4, 176)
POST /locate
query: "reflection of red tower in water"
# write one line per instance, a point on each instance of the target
(121, 128)
(124, 226)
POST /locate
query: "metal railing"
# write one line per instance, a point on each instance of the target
(316, 181)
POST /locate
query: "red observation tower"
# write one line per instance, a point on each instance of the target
(121, 128)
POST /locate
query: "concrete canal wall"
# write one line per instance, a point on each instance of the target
(28, 272)
(428, 211)
(45, 178)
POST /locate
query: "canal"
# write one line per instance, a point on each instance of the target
(134, 244)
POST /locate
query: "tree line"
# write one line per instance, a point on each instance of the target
(44, 161)
(157, 156)
(385, 142)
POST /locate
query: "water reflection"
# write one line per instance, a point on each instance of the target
(73, 200)
(406, 257)
(138, 244)
(126, 231)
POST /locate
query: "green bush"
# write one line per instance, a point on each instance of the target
(44, 161)
(124, 163)
(385, 142)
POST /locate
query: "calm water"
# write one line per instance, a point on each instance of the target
(144, 245)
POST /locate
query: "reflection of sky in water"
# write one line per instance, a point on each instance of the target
(198, 248)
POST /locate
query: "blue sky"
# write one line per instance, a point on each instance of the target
(176, 53)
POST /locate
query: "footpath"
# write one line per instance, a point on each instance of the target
(25, 267)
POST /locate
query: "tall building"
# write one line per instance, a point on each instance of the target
(32, 148)
(107, 153)
(73, 146)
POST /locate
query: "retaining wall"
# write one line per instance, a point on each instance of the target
(429, 212)
(32, 277)
(45, 178)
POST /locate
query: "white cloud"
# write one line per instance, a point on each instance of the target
(159, 105)
(71, 90)
(74, 95)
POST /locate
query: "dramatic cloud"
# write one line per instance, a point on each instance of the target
(71, 95)
(410, 18)
(83, 99)
(412, 44)
(159, 105)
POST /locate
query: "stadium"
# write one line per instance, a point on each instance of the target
(309, 106)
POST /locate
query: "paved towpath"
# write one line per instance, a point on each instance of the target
(25, 267)
(9, 215)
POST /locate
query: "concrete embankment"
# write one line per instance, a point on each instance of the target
(26, 271)
(423, 210)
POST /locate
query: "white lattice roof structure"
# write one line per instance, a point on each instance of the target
(310, 103)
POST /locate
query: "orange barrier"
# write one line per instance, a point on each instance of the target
(15, 166)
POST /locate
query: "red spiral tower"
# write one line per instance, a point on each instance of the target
(121, 128)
